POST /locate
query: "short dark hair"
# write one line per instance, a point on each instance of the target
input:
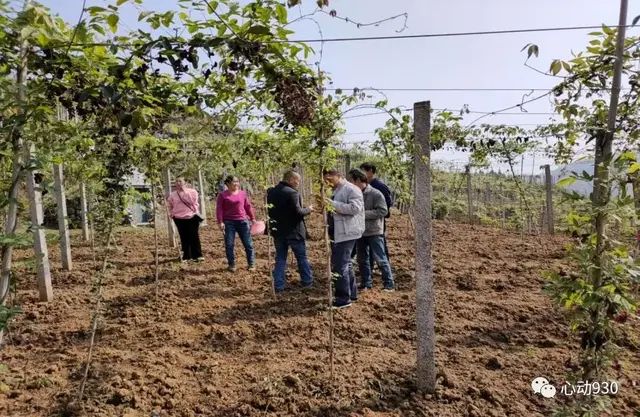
(369, 167)
(289, 175)
(357, 175)
(332, 172)
(229, 179)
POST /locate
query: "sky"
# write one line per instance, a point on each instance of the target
(489, 61)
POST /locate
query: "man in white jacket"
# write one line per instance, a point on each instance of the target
(346, 226)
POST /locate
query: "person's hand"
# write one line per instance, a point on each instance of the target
(221, 225)
(310, 208)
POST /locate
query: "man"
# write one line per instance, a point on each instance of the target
(371, 245)
(346, 227)
(370, 171)
(288, 229)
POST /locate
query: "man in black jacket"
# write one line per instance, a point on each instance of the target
(370, 170)
(287, 226)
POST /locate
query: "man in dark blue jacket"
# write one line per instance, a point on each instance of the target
(288, 229)
(370, 170)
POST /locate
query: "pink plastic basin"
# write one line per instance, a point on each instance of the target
(257, 228)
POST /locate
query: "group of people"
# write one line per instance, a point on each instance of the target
(234, 215)
(358, 213)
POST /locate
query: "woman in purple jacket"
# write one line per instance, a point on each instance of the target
(235, 214)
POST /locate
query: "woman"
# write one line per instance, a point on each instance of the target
(234, 213)
(184, 208)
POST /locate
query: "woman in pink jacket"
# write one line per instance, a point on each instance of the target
(184, 209)
(235, 214)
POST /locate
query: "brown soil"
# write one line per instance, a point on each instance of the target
(216, 344)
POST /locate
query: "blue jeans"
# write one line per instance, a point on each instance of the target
(243, 228)
(373, 248)
(345, 287)
(300, 251)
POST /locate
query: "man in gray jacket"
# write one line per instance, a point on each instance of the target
(345, 228)
(372, 242)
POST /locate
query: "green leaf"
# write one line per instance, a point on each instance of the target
(628, 156)
(635, 21)
(212, 6)
(295, 50)
(566, 181)
(108, 91)
(99, 29)
(281, 14)
(607, 30)
(634, 168)
(113, 20)
(126, 119)
(259, 30)
(533, 50)
(144, 15)
(566, 66)
(121, 2)
(556, 67)
(26, 32)
(167, 19)
(595, 33)
(42, 39)
(192, 28)
(96, 10)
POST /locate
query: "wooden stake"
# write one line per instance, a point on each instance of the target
(425, 299)
(167, 193)
(549, 191)
(84, 215)
(327, 245)
(469, 195)
(40, 249)
(203, 197)
(63, 224)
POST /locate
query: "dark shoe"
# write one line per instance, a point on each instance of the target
(353, 300)
(388, 289)
(340, 305)
(307, 286)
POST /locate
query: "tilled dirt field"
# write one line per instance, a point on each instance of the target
(215, 343)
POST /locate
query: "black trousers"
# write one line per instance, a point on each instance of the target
(189, 230)
(386, 248)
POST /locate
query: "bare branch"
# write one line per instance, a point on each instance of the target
(334, 14)
(542, 72)
(377, 23)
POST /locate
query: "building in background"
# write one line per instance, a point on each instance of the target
(580, 186)
(140, 209)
